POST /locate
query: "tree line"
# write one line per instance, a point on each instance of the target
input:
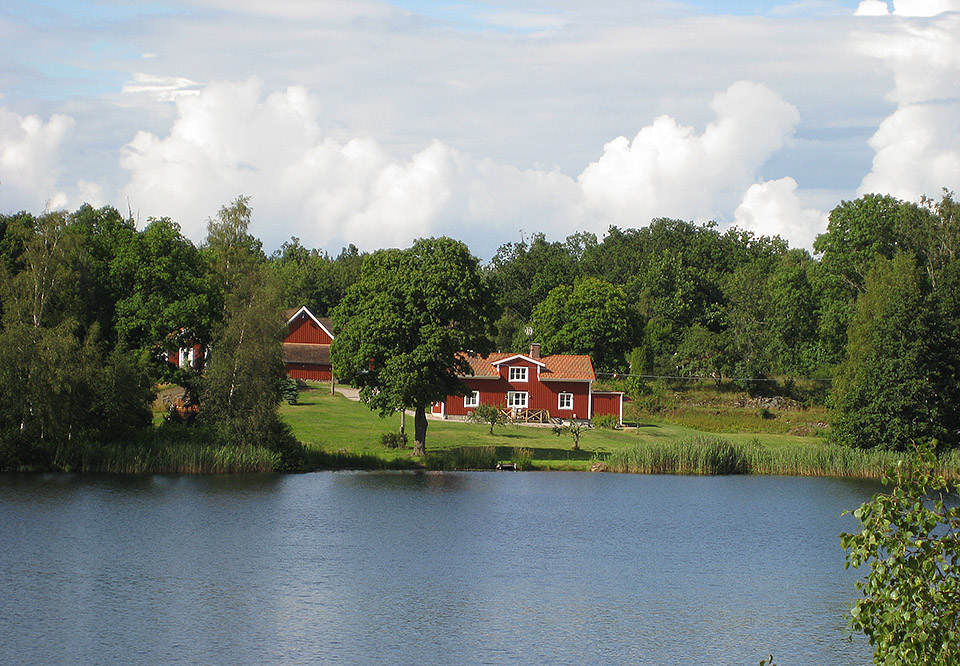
(90, 304)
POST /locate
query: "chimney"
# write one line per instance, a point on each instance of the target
(535, 351)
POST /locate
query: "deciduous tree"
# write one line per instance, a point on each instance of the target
(402, 328)
(592, 317)
(885, 394)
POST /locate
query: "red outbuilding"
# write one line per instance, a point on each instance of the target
(534, 388)
(306, 349)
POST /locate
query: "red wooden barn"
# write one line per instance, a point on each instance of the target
(306, 349)
(560, 385)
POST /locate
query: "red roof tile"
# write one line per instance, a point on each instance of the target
(559, 367)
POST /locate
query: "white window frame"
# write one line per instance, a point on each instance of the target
(522, 373)
(518, 399)
(472, 399)
(565, 397)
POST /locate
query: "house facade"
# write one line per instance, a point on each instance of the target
(559, 386)
(306, 347)
(184, 352)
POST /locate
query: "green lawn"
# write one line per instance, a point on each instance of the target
(331, 424)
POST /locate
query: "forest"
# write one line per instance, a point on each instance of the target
(91, 303)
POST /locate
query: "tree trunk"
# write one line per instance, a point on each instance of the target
(420, 432)
(403, 421)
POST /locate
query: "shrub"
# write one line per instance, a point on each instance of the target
(608, 421)
(289, 391)
(394, 440)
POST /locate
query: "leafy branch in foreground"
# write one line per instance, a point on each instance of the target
(910, 539)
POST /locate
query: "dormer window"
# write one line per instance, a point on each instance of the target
(518, 373)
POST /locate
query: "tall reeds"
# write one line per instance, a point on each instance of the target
(715, 455)
(463, 458)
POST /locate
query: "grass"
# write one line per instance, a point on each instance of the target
(339, 433)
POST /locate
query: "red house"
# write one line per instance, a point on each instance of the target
(558, 387)
(306, 349)
(187, 354)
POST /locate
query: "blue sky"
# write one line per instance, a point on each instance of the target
(374, 123)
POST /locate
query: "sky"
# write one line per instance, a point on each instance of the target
(376, 123)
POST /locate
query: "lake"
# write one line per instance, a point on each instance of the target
(426, 569)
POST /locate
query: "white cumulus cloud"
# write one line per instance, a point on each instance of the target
(773, 208)
(917, 147)
(29, 169)
(671, 170)
(231, 139)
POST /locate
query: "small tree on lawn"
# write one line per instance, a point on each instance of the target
(574, 428)
(490, 414)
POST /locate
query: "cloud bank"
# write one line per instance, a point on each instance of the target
(231, 138)
(374, 123)
(29, 152)
(918, 146)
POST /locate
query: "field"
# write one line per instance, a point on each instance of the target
(340, 433)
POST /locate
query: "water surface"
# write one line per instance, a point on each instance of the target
(426, 569)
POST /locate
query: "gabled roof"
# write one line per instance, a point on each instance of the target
(522, 357)
(302, 352)
(556, 368)
(323, 322)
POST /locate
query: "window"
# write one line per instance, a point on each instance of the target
(471, 399)
(517, 399)
(518, 373)
(566, 401)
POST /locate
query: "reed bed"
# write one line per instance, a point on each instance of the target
(341, 459)
(173, 458)
(463, 458)
(715, 455)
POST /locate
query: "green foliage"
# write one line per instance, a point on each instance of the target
(312, 278)
(884, 395)
(162, 290)
(575, 429)
(463, 458)
(241, 384)
(606, 421)
(290, 391)
(394, 440)
(522, 458)
(403, 327)
(230, 250)
(488, 414)
(704, 353)
(910, 540)
(523, 274)
(858, 232)
(591, 317)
